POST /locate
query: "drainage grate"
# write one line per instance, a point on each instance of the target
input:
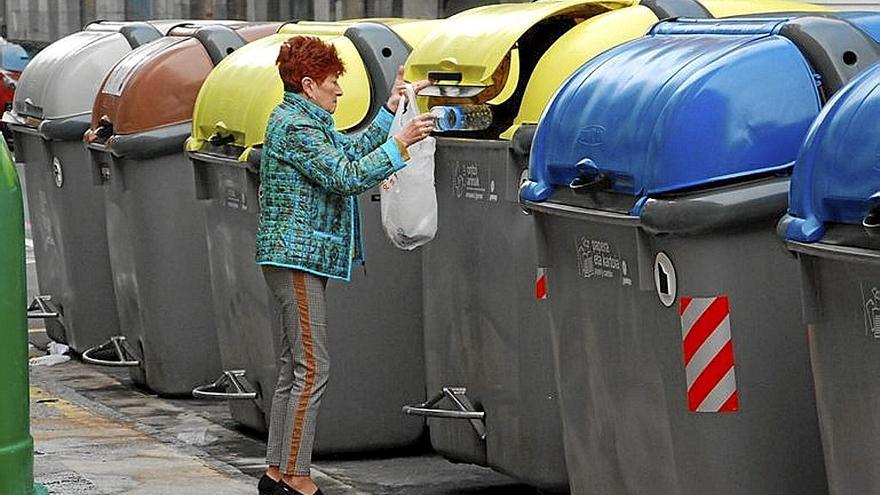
(68, 483)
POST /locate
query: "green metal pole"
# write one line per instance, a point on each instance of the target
(16, 444)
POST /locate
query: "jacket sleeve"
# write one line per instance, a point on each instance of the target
(356, 147)
(310, 150)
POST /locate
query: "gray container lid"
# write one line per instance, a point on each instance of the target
(62, 80)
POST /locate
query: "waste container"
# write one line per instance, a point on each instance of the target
(375, 320)
(49, 115)
(155, 229)
(675, 317)
(487, 341)
(16, 444)
(13, 60)
(831, 228)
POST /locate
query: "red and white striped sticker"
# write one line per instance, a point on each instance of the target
(541, 284)
(708, 354)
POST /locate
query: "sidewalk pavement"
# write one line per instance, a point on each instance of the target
(96, 434)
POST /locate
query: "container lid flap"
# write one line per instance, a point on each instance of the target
(573, 49)
(471, 45)
(129, 65)
(311, 28)
(165, 26)
(835, 177)
(410, 30)
(670, 112)
(154, 86)
(229, 105)
(413, 31)
(62, 80)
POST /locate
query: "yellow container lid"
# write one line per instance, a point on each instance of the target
(474, 43)
(314, 28)
(572, 50)
(240, 93)
(604, 31)
(479, 48)
(412, 31)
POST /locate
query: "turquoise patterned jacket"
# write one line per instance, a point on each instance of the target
(311, 175)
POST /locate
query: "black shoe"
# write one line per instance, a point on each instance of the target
(282, 488)
(267, 485)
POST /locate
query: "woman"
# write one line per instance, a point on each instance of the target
(310, 231)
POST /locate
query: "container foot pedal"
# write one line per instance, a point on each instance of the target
(464, 409)
(115, 352)
(233, 380)
(42, 307)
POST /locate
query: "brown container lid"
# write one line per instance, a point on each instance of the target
(156, 85)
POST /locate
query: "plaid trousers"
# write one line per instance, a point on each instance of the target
(303, 370)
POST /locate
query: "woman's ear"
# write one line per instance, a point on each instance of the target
(308, 86)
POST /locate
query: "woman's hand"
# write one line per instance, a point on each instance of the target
(416, 129)
(400, 88)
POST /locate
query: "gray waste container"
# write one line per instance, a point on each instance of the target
(657, 174)
(487, 341)
(832, 229)
(155, 228)
(375, 321)
(50, 113)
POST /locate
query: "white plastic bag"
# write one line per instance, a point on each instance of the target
(409, 200)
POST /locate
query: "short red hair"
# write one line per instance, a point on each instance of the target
(307, 56)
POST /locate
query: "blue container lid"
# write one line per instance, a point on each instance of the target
(694, 103)
(869, 22)
(837, 174)
(13, 57)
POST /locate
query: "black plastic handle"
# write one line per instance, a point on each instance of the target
(599, 181)
(872, 218)
(590, 178)
(104, 129)
(444, 76)
(217, 139)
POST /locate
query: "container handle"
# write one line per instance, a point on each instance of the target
(119, 347)
(42, 307)
(234, 379)
(464, 409)
(523, 182)
(872, 218)
(445, 76)
(104, 129)
(589, 178)
(218, 139)
(221, 136)
(189, 25)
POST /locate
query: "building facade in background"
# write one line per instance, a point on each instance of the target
(36, 23)
(39, 22)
